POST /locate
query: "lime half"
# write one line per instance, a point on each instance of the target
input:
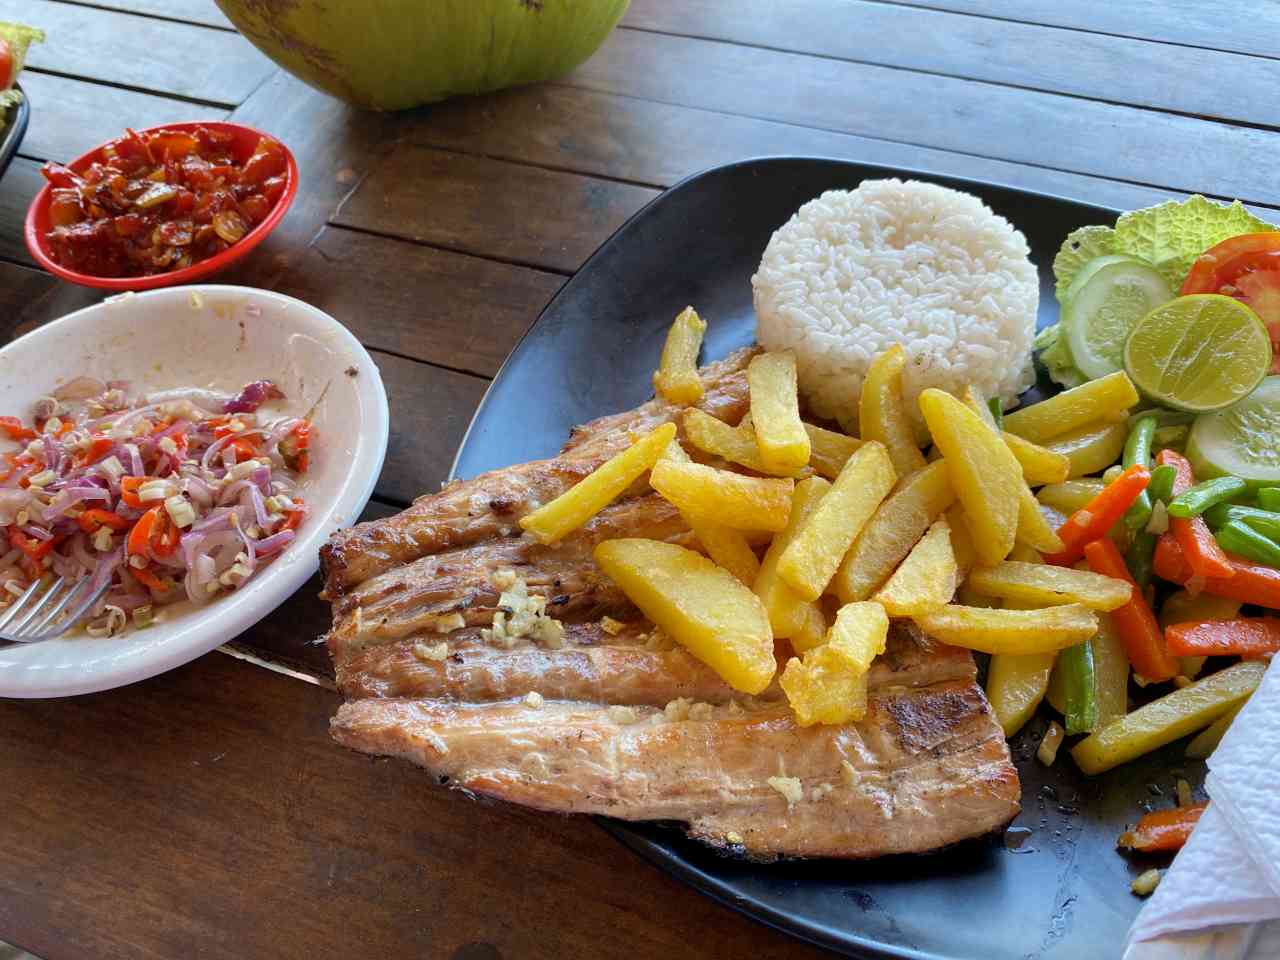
(1242, 440)
(1103, 304)
(1198, 353)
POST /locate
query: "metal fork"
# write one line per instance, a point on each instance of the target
(44, 614)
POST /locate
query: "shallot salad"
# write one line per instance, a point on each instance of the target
(180, 495)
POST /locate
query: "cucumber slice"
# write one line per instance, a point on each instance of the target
(1243, 440)
(1106, 299)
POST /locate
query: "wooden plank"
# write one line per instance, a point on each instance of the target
(659, 143)
(430, 408)
(507, 211)
(69, 117)
(29, 298)
(179, 59)
(1244, 27)
(1120, 142)
(189, 11)
(445, 308)
(1102, 67)
(208, 806)
(18, 187)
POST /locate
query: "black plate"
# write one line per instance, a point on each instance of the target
(13, 124)
(1065, 892)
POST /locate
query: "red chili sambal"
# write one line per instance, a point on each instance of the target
(160, 201)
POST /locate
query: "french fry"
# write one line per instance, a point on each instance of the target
(702, 607)
(1050, 585)
(926, 580)
(1104, 398)
(1015, 686)
(1024, 554)
(730, 499)
(822, 539)
(892, 531)
(1039, 465)
(775, 410)
(1091, 448)
(790, 615)
(961, 541)
(1169, 718)
(1034, 530)
(553, 521)
(1011, 631)
(830, 684)
(1206, 741)
(813, 630)
(984, 474)
(735, 444)
(1070, 496)
(829, 451)
(676, 379)
(726, 546)
(883, 414)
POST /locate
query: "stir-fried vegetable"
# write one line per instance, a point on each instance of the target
(1198, 499)
(1265, 522)
(1201, 550)
(1011, 631)
(1076, 664)
(1141, 553)
(1162, 831)
(1249, 638)
(1134, 621)
(1236, 536)
(1100, 514)
(180, 495)
(1249, 582)
(1137, 452)
(1105, 398)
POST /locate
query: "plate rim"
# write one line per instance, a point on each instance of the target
(632, 835)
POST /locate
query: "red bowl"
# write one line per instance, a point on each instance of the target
(245, 140)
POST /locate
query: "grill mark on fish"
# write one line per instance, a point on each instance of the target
(463, 513)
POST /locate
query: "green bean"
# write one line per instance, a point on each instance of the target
(1076, 664)
(1266, 522)
(1160, 487)
(997, 412)
(1198, 499)
(1164, 418)
(1140, 557)
(1137, 451)
(1269, 498)
(1235, 536)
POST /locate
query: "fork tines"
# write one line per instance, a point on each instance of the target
(41, 614)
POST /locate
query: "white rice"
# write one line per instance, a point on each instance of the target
(854, 272)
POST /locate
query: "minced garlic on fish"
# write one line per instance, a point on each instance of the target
(436, 652)
(450, 622)
(790, 787)
(521, 614)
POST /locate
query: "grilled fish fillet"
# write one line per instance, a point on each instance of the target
(612, 718)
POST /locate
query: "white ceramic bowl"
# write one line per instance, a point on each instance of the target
(217, 337)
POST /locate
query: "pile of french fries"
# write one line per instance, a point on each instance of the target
(812, 537)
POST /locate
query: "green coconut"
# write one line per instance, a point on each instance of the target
(394, 54)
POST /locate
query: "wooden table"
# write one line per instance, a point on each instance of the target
(206, 812)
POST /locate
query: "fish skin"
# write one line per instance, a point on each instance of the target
(491, 505)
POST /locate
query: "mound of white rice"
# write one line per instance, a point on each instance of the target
(854, 272)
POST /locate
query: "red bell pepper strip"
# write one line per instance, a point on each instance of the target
(12, 428)
(1250, 582)
(91, 521)
(1201, 550)
(1139, 632)
(1095, 518)
(35, 549)
(295, 517)
(129, 490)
(140, 536)
(98, 449)
(1251, 638)
(148, 579)
(1163, 831)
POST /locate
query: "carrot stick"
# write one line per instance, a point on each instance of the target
(1164, 831)
(1251, 638)
(1095, 518)
(1135, 623)
(1201, 550)
(140, 536)
(1250, 583)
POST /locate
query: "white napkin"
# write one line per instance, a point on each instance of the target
(1221, 897)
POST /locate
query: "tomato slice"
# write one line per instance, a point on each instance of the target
(6, 65)
(1246, 267)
